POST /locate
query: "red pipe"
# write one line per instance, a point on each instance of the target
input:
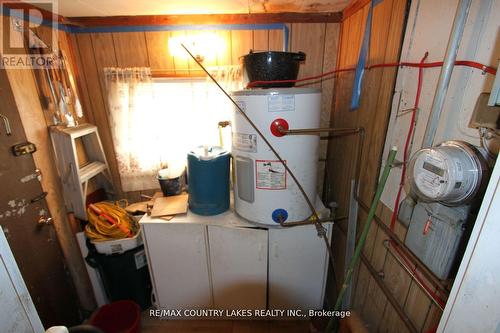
(473, 64)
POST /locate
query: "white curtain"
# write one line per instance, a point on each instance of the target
(155, 123)
(131, 109)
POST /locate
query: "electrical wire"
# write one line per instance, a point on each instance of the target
(467, 63)
(409, 137)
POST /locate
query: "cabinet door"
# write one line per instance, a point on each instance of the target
(177, 258)
(297, 268)
(238, 259)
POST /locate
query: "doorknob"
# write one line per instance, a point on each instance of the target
(44, 220)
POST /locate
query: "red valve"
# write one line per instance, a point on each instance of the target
(278, 126)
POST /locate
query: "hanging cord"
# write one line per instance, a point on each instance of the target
(473, 64)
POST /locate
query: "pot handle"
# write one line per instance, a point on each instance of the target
(300, 56)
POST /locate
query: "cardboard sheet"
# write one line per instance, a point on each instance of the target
(171, 205)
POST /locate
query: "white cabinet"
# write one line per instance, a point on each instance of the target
(177, 257)
(298, 261)
(238, 261)
(224, 262)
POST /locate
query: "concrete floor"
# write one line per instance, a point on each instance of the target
(156, 325)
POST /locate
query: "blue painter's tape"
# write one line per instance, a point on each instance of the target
(279, 215)
(286, 37)
(360, 68)
(142, 28)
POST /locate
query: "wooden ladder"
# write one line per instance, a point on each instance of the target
(75, 178)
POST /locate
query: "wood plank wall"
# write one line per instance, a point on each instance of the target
(127, 49)
(369, 300)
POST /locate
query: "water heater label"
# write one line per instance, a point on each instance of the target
(270, 175)
(280, 103)
(245, 142)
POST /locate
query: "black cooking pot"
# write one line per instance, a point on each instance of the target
(272, 66)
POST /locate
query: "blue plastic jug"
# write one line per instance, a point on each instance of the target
(208, 179)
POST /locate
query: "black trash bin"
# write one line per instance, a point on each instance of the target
(125, 276)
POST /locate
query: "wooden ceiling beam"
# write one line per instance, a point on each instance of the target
(205, 19)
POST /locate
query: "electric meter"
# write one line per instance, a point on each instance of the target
(451, 173)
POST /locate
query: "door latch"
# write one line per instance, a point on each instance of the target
(35, 175)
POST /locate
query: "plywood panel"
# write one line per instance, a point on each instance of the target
(391, 322)
(241, 44)
(130, 49)
(159, 56)
(260, 40)
(374, 306)
(93, 61)
(181, 62)
(417, 305)
(310, 37)
(224, 55)
(275, 40)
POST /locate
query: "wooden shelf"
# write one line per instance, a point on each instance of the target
(91, 170)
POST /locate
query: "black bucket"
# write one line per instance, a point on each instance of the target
(172, 186)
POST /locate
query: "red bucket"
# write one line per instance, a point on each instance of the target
(118, 317)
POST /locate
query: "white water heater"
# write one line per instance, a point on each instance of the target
(264, 192)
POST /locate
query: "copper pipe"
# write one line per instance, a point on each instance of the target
(301, 131)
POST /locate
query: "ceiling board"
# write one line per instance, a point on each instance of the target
(85, 8)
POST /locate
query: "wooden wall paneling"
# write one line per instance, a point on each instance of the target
(105, 56)
(241, 43)
(417, 305)
(376, 115)
(391, 322)
(397, 279)
(180, 62)
(374, 306)
(276, 40)
(310, 39)
(432, 319)
(260, 40)
(81, 81)
(94, 77)
(360, 288)
(224, 55)
(159, 56)
(130, 49)
(210, 60)
(379, 252)
(330, 54)
(341, 156)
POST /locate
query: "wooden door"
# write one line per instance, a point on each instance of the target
(35, 246)
(178, 264)
(238, 263)
(298, 261)
(17, 312)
